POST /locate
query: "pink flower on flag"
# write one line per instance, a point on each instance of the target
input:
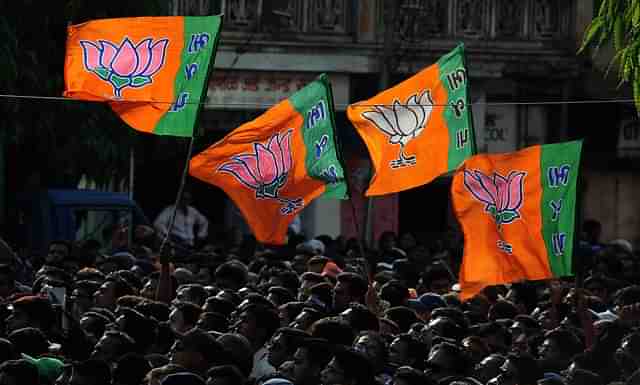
(502, 196)
(124, 65)
(266, 169)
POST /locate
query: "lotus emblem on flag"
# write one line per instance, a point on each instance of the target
(502, 196)
(266, 169)
(402, 122)
(124, 65)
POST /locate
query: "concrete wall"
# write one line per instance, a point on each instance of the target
(612, 198)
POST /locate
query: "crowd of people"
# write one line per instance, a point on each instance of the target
(317, 311)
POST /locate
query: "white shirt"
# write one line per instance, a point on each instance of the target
(184, 225)
(261, 366)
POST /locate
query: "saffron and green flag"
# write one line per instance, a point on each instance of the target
(419, 129)
(151, 70)
(275, 165)
(517, 212)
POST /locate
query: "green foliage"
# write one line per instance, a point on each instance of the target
(618, 22)
(57, 138)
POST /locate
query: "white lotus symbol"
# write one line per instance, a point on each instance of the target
(402, 122)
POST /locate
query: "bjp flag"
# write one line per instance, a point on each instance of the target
(517, 212)
(275, 165)
(152, 70)
(418, 129)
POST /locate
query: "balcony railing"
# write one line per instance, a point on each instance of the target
(483, 19)
(417, 20)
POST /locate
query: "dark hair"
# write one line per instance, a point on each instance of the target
(319, 350)
(268, 318)
(233, 272)
(130, 301)
(30, 341)
(126, 343)
(567, 341)
(62, 242)
(336, 330)
(214, 322)
(220, 305)
(361, 318)
(196, 291)
(97, 370)
(190, 311)
(410, 375)
(289, 280)
(527, 367)
(292, 308)
(416, 349)
(402, 316)
(23, 371)
(395, 292)
(122, 287)
(230, 372)
(130, 369)
(97, 324)
(140, 328)
(355, 365)
(358, 286)
(155, 309)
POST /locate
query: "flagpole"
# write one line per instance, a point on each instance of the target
(389, 12)
(132, 171)
(179, 195)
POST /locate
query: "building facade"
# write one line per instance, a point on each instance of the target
(516, 51)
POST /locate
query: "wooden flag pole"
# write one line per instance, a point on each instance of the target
(179, 195)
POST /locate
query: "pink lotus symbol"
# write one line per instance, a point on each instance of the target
(266, 169)
(503, 196)
(125, 65)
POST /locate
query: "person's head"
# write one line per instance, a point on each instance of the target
(283, 345)
(7, 350)
(219, 305)
(239, 351)
(279, 295)
(194, 293)
(184, 316)
(447, 359)
(387, 241)
(156, 375)
(592, 230)
(308, 361)
(306, 318)
(437, 279)
(186, 199)
(210, 321)
(628, 354)
(307, 281)
(360, 318)
(113, 345)
(225, 375)
(476, 348)
(130, 369)
(94, 324)
(489, 367)
(402, 316)
(58, 251)
(502, 309)
(30, 341)
(373, 346)
(584, 377)
(395, 292)
(336, 330)
(81, 298)
(231, 275)
(257, 322)
(559, 346)
(113, 288)
(19, 372)
(348, 367)
(407, 350)
(351, 287)
(138, 327)
(31, 311)
(518, 369)
(406, 375)
(197, 351)
(425, 304)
